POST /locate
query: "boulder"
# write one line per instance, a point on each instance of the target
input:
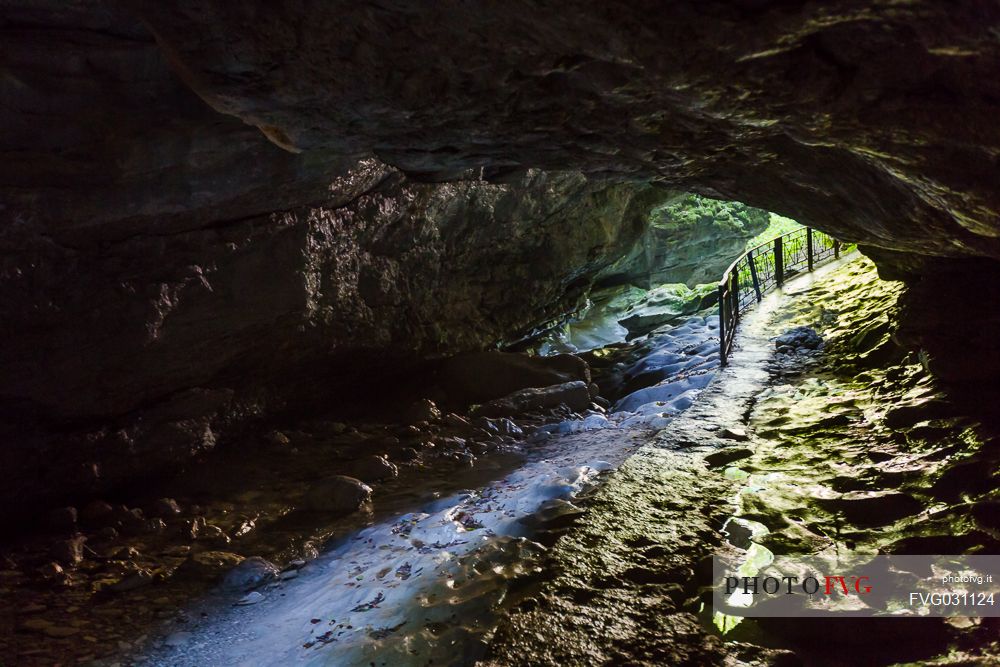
(277, 439)
(69, 551)
(209, 564)
(164, 508)
(374, 468)
(589, 423)
(406, 454)
(133, 581)
(507, 427)
(666, 394)
(337, 495)
(249, 574)
(423, 410)
(50, 570)
(213, 535)
(799, 338)
(574, 395)
(456, 421)
(127, 521)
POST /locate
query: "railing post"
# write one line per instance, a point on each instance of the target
(809, 247)
(735, 296)
(722, 325)
(779, 263)
(753, 276)
(729, 286)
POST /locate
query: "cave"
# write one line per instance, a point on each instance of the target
(499, 333)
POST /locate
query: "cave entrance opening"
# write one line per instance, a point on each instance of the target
(670, 275)
(649, 328)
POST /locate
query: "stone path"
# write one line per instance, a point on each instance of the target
(626, 577)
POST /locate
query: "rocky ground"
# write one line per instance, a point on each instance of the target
(804, 444)
(257, 536)
(100, 579)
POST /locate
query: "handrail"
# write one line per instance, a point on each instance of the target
(763, 268)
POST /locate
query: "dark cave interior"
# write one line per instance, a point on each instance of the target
(250, 248)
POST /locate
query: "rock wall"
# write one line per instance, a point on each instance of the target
(168, 275)
(404, 268)
(951, 313)
(170, 342)
(691, 240)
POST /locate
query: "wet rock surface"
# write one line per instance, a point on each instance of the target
(820, 462)
(624, 313)
(250, 573)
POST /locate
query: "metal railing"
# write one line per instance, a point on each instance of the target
(764, 267)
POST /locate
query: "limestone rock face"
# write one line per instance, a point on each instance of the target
(692, 240)
(169, 342)
(950, 312)
(408, 267)
(872, 120)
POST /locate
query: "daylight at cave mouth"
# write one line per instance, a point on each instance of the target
(499, 333)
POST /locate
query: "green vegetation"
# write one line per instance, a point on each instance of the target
(779, 225)
(727, 216)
